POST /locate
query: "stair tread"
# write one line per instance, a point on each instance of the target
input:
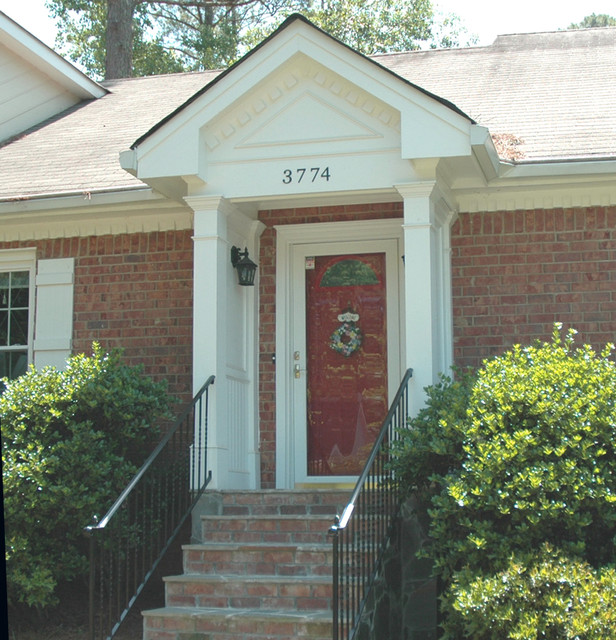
(269, 516)
(234, 546)
(283, 614)
(232, 577)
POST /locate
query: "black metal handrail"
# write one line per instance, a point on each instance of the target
(361, 533)
(127, 545)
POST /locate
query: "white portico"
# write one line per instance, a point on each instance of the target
(304, 121)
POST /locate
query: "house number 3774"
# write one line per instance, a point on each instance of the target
(305, 174)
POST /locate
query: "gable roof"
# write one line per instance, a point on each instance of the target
(554, 92)
(35, 82)
(296, 17)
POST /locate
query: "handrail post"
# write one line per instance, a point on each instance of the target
(91, 581)
(335, 578)
(92, 575)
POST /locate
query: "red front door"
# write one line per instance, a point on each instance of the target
(346, 360)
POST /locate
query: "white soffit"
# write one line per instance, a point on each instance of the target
(300, 95)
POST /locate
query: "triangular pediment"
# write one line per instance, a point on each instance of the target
(308, 119)
(300, 95)
(298, 109)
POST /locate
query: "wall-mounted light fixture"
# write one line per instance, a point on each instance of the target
(246, 268)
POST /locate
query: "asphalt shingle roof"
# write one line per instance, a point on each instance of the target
(555, 93)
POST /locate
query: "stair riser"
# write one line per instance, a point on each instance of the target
(296, 597)
(271, 530)
(280, 503)
(229, 628)
(254, 561)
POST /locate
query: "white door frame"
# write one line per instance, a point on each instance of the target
(294, 243)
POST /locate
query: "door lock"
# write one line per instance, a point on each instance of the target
(297, 370)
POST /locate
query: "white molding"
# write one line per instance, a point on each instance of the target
(132, 211)
(548, 185)
(310, 233)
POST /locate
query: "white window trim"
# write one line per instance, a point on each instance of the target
(23, 260)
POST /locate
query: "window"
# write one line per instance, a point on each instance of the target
(15, 312)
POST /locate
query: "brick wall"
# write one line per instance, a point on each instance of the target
(133, 291)
(267, 310)
(516, 273)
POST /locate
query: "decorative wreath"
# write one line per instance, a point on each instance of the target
(346, 339)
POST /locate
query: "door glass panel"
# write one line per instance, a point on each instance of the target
(346, 360)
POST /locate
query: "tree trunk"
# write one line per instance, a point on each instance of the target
(119, 50)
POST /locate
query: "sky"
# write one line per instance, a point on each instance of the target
(484, 18)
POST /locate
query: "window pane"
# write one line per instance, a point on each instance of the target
(13, 363)
(19, 298)
(4, 328)
(18, 332)
(20, 279)
(349, 273)
(4, 290)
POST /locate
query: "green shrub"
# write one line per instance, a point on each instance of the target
(538, 595)
(70, 441)
(539, 460)
(523, 454)
(432, 444)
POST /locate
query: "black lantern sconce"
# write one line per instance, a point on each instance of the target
(246, 268)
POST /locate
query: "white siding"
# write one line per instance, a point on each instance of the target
(27, 96)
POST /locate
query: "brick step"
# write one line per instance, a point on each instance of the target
(259, 559)
(178, 623)
(262, 570)
(303, 593)
(282, 502)
(268, 529)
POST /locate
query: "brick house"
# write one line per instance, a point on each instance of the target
(404, 210)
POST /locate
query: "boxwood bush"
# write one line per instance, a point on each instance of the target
(521, 455)
(542, 594)
(70, 441)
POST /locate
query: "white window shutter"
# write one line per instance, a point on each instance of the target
(53, 328)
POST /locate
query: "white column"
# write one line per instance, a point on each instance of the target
(225, 340)
(427, 322)
(211, 275)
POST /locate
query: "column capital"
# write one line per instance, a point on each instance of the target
(425, 204)
(414, 190)
(209, 203)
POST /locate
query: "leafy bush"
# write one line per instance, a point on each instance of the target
(539, 461)
(432, 445)
(523, 455)
(538, 595)
(70, 441)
